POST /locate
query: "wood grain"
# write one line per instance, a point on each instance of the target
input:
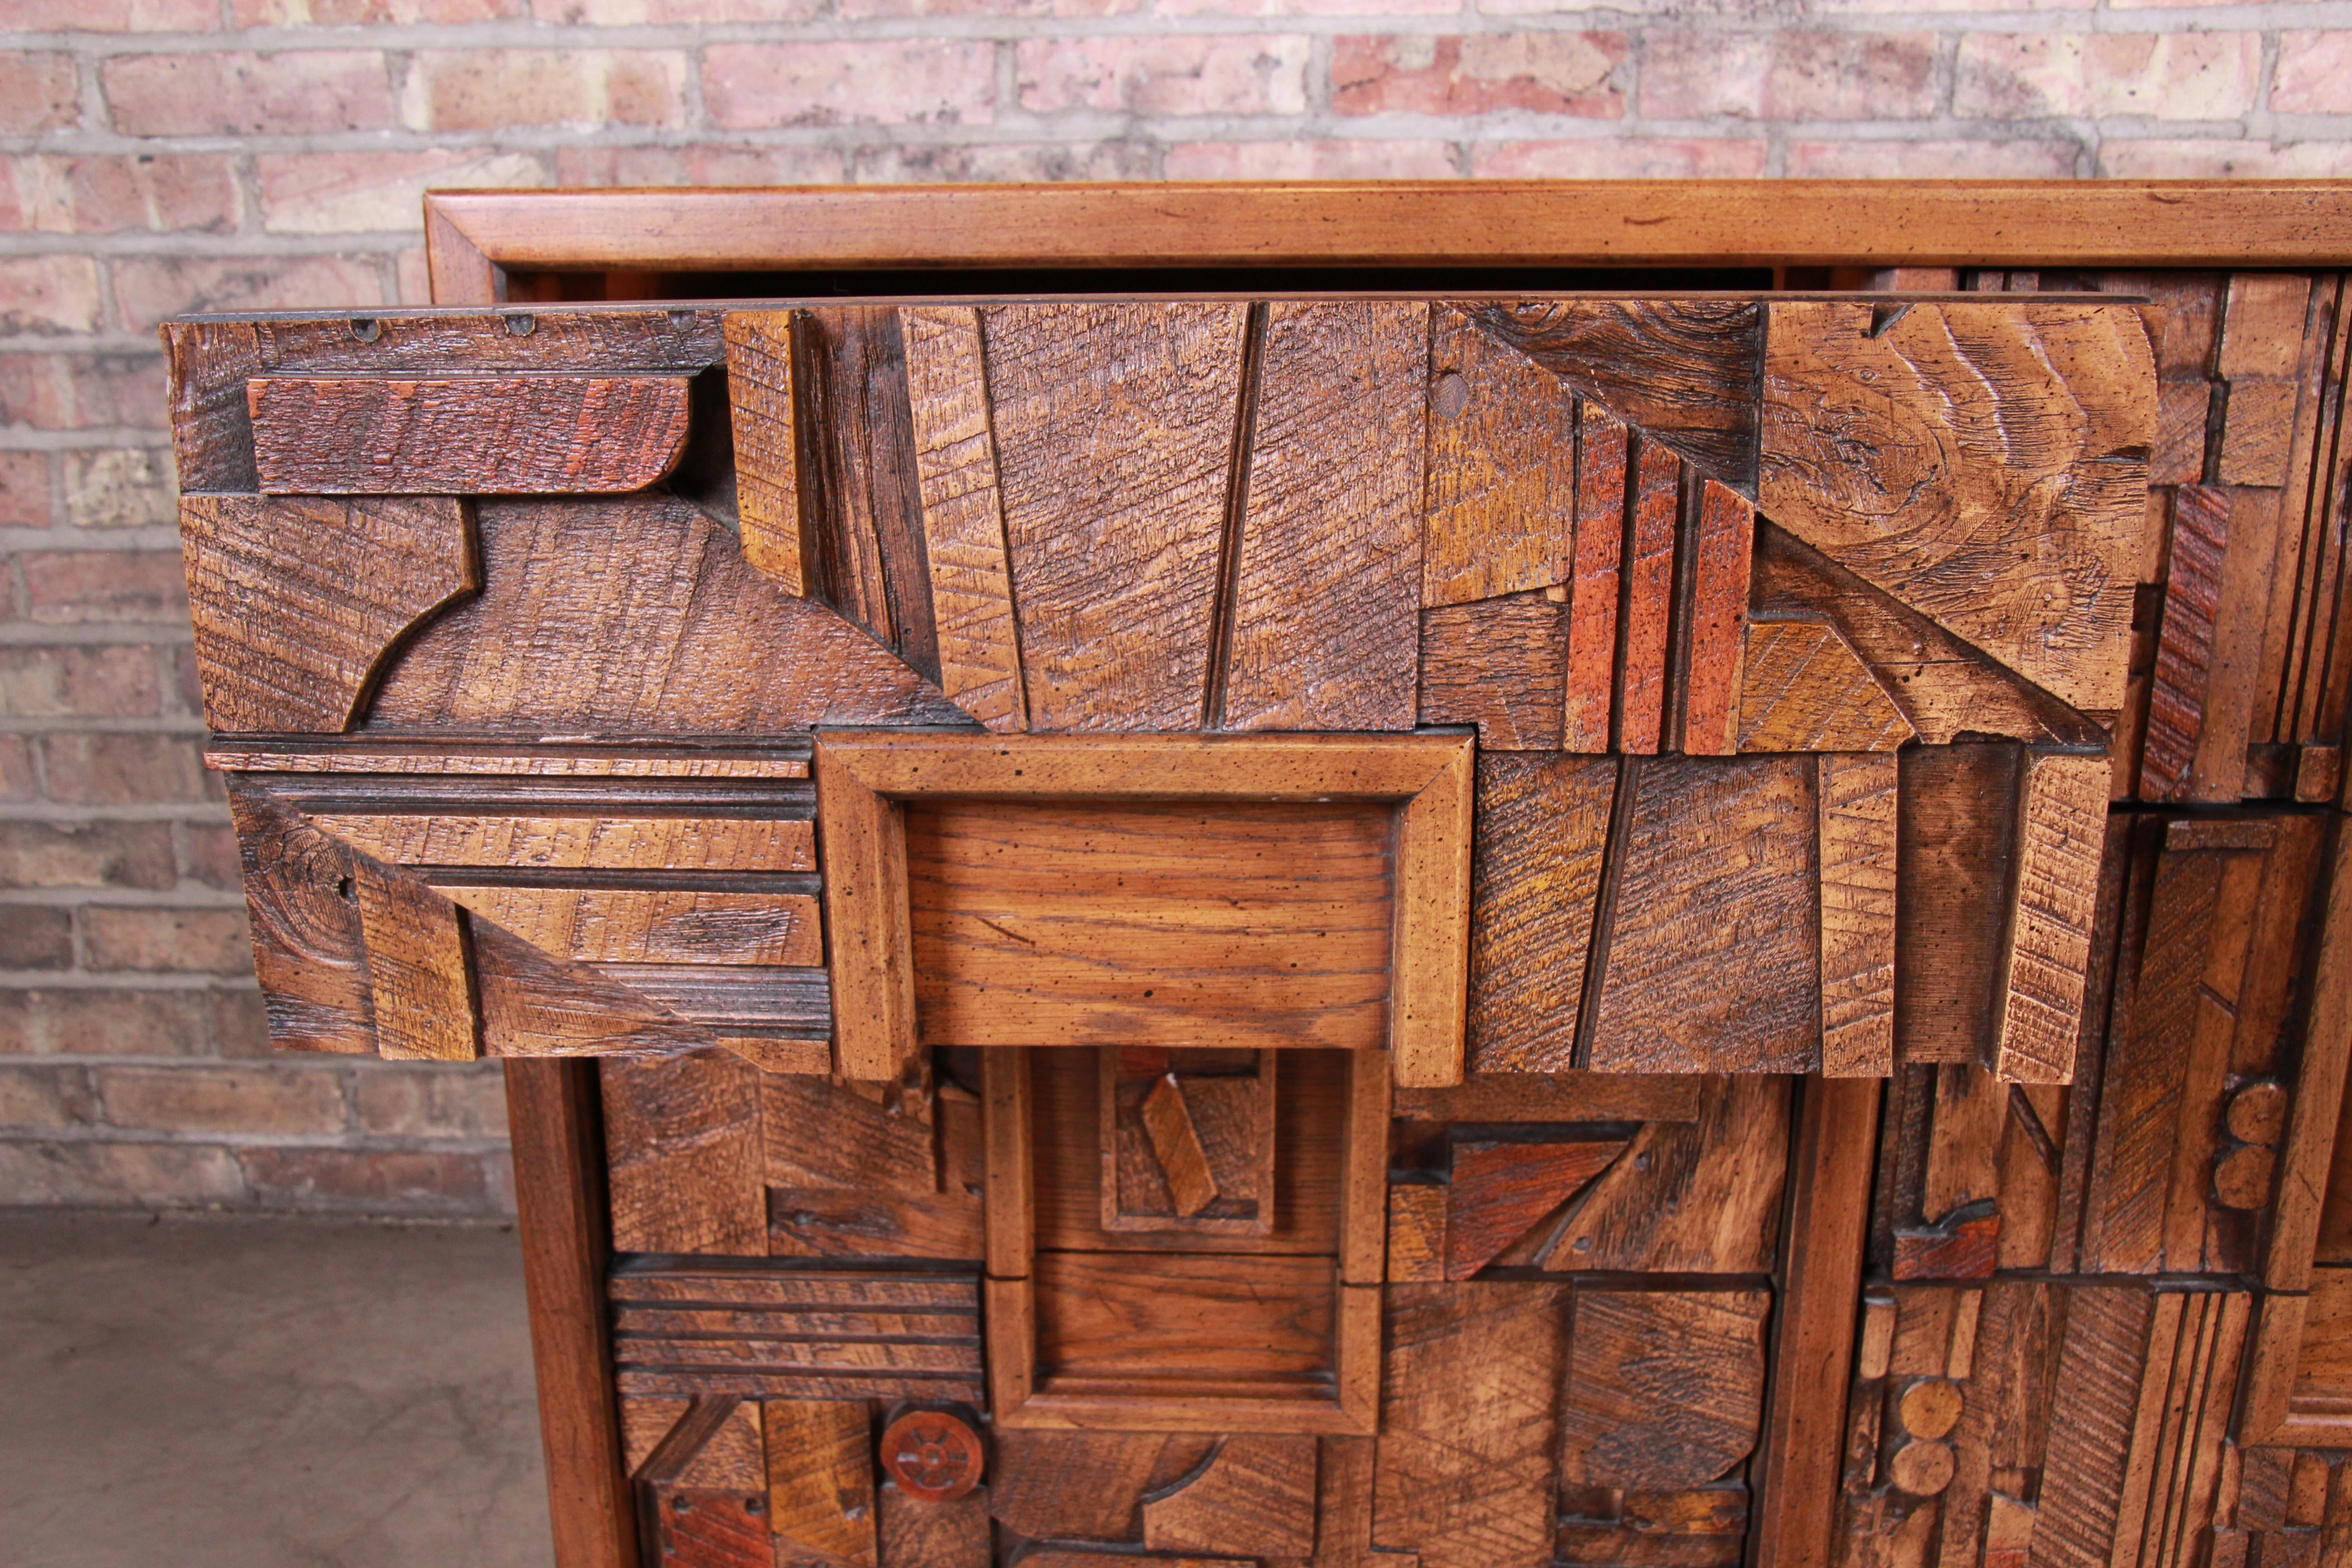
(2031, 558)
(287, 637)
(2061, 823)
(1712, 955)
(1324, 612)
(1430, 992)
(1858, 802)
(1500, 1188)
(963, 516)
(1653, 510)
(1684, 371)
(206, 364)
(2184, 655)
(1166, 1324)
(1956, 844)
(635, 616)
(760, 372)
(1499, 663)
(1666, 1388)
(1114, 426)
(626, 926)
(866, 922)
(1555, 1097)
(1594, 591)
(539, 435)
(820, 1468)
(1468, 1416)
(1500, 517)
(1201, 924)
(2101, 1364)
(918, 1533)
(419, 971)
(595, 842)
(1723, 541)
(1069, 1486)
(1804, 689)
(1254, 1496)
(2257, 433)
(308, 950)
(1416, 1231)
(682, 1150)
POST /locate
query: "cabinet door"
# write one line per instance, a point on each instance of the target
(1231, 930)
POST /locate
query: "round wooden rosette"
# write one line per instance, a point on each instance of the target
(931, 1455)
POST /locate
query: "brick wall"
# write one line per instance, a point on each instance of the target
(169, 155)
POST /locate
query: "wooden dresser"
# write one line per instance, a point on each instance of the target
(1386, 876)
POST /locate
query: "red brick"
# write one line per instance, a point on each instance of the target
(126, 487)
(104, 1022)
(1331, 7)
(79, 586)
(36, 936)
(2314, 75)
(1607, 158)
(303, 92)
(80, 392)
(38, 93)
(700, 165)
(1932, 160)
(675, 13)
(1484, 73)
(498, 89)
(397, 1100)
(2168, 76)
(1000, 161)
(183, 693)
(24, 490)
(1850, 76)
(1311, 161)
(106, 194)
(240, 1024)
(371, 13)
(49, 294)
(367, 1181)
(342, 193)
(87, 854)
(2200, 159)
(16, 781)
(274, 1099)
(160, 940)
(42, 1099)
(101, 768)
(148, 291)
(111, 15)
(861, 10)
(208, 854)
(92, 1173)
(1699, 75)
(877, 82)
(104, 682)
(1261, 73)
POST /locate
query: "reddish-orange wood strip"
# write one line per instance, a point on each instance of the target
(537, 435)
(2184, 655)
(1719, 568)
(1594, 591)
(759, 392)
(1648, 598)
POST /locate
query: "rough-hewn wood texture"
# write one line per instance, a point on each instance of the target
(1115, 431)
(538, 435)
(767, 446)
(1499, 663)
(308, 950)
(1666, 1388)
(1323, 607)
(638, 616)
(1804, 689)
(1684, 371)
(2061, 823)
(1857, 797)
(963, 516)
(1709, 957)
(1873, 417)
(1593, 594)
(1501, 510)
(820, 1472)
(1254, 1495)
(419, 968)
(1654, 509)
(2184, 652)
(1542, 830)
(1722, 542)
(288, 636)
(1498, 1188)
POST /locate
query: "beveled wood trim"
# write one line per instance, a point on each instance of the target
(2274, 1349)
(1803, 1445)
(2309, 1147)
(554, 1118)
(862, 776)
(471, 236)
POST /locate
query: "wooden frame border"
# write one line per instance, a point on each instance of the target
(1010, 1292)
(474, 237)
(863, 775)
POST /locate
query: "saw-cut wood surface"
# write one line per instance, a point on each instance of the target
(538, 435)
(766, 434)
(288, 637)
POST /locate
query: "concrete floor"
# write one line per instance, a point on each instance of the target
(263, 1394)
